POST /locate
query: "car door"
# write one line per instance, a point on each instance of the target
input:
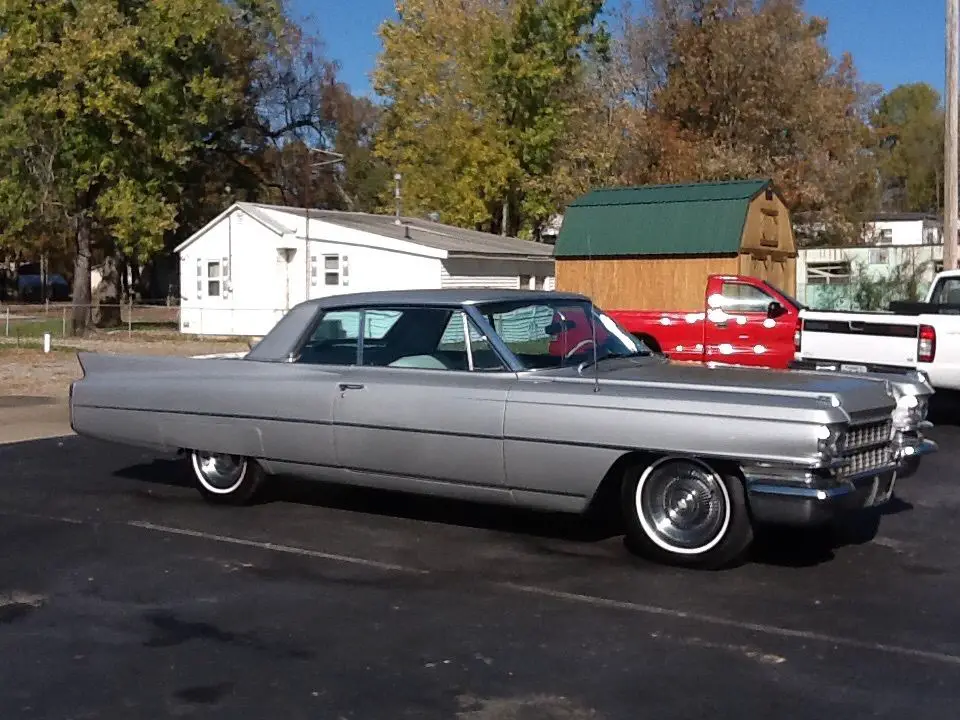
(424, 405)
(301, 395)
(740, 329)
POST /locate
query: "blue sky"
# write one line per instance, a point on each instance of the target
(892, 41)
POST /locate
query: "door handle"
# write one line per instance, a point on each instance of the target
(351, 386)
(721, 324)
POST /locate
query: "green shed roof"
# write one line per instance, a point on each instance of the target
(691, 219)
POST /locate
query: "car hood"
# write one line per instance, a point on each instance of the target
(856, 394)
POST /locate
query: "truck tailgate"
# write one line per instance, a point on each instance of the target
(874, 338)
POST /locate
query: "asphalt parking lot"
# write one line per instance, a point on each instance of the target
(123, 596)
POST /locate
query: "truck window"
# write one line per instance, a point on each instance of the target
(947, 291)
(738, 297)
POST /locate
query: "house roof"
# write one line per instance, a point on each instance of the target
(247, 208)
(445, 296)
(689, 219)
(903, 217)
(456, 241)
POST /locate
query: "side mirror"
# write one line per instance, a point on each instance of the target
(775, 309)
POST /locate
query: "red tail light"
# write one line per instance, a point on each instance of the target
(796, 335)
(927, 344)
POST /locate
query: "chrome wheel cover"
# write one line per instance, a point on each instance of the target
(683, 506)
(218, 473)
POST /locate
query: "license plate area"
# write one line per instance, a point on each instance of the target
(849, 367)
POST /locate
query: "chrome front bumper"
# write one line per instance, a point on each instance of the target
(784, 495)
(817, 502)
(910, 448)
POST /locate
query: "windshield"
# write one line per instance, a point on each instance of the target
(559, 333)
(797, 305)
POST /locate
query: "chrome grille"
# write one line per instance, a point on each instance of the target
(868, 447)
(862, 461)
(867, 435)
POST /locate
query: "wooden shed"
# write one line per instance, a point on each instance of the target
(653, 247)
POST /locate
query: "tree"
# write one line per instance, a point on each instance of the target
(744, 88)
(909, 125)
(480, 97)
(106, 104)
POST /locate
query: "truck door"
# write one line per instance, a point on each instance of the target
(747, 325)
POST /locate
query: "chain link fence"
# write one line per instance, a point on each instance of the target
(29, 323)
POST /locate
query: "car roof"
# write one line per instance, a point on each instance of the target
(446, 297)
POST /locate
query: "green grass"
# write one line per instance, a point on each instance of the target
(32, 328)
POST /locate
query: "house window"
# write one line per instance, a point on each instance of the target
(525, 282)
(313, 270)
(885, 237)
(331, 267)
(828, 273)
(213, 278)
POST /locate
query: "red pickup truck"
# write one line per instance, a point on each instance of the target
(742, 321)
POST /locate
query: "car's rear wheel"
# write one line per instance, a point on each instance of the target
(682, 511)
(226, 479)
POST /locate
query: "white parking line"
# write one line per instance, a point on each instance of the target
(590, 600)
(759, 628)
(289, 549)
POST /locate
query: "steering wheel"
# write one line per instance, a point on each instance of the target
(586, 342)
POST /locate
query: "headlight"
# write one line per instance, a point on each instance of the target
(910, 411)
(828, 440)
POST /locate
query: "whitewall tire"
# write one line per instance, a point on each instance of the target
(226, 479)
(682, 511)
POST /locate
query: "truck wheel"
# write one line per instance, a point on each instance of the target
(680, 511)
(226, 479)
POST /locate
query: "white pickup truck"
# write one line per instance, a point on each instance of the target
(922, 336)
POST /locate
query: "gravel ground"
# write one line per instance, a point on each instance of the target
(31, 372)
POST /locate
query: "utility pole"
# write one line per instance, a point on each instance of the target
(950, 199)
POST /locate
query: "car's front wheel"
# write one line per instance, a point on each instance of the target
(226, 479)
(682, 511)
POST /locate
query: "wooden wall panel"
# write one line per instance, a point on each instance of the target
(643, 283)
(768, 227)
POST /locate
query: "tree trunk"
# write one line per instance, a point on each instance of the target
(80, 317)
(505, 218)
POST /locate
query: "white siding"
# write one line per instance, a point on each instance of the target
(894, 232)
(252, 282)
(367, 268)
(265, 285)
(497, 282)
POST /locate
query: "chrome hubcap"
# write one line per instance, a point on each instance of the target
(683, 506)
(221, 472)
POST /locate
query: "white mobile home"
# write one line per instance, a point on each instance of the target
(243, 270)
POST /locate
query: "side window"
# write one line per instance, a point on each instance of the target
(525, 330)
(484, 358)
(377, 323)
(423, 338)
(737, 297)
(335, 341)
(544, 336)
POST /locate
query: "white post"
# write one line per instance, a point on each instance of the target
(950, 198)
(46, 342)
